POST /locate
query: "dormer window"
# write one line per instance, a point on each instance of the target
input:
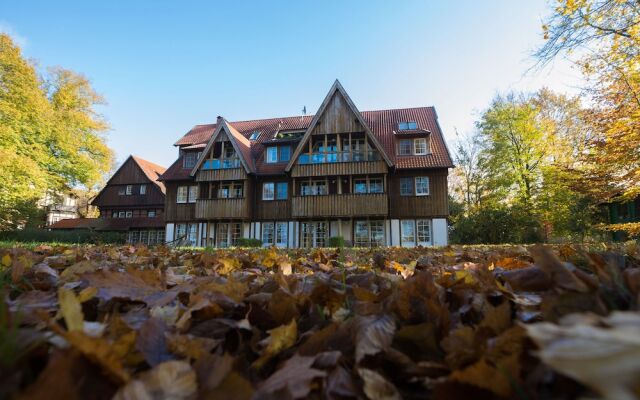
(254, 135)
(407, 125)
(278, 154)
(420, 145)
(190, 159)
(413, 147)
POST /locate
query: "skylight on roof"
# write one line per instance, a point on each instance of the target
(407, 125)
(254, 135)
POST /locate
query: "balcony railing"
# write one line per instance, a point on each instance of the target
(338, 157)
(340, 205)
(226, 163)
(230, 208)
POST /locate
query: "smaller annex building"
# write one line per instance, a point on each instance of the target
(131, 202)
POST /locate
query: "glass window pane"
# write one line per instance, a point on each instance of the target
(422, 186)
(281, 234)
(360, 186)
(267, 233)
(285, 153)
(420, 146)
(406, 186)
(375, 185)
(267, 191)
(272, 154)
(193, 194)
(182, 194)
(143, 189)
(407, 232)
(405, 147)
(423, 230)
(282, 190)
(361, 233)
(377, 233)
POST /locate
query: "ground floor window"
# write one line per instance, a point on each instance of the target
(228, 233)
(368, 233)
(274, 234)
(150, 237)
(187, 232)
(314, 234)
(415, 232)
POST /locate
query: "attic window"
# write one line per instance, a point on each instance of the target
(407, 125)
(254, 135)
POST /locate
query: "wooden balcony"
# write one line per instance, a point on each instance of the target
(229, 174)
(223, 209)
(340, 205)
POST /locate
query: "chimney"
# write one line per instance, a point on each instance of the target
(219, 119)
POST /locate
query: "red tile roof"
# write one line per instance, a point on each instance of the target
(383, 124)
(109, 224)
(151, 170)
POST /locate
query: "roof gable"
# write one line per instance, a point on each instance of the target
(240, 144)
(150, 171)
(337, 98)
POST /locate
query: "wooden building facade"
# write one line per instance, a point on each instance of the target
(375, 178)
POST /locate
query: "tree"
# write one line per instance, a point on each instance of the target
(468, 181)
(50, 137)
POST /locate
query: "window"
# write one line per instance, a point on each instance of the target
(228, 234)
(129, 214)
(404, 148)
(181, 231)
(121, 191)
(368, 233)
(272, 154)
(314, 234)
(193, 193)
(422, 186)
(183, 192)
(420, 145)
(423, 232)
(151, 213)
(285, 153)
(407, 125)
(129, 190)
(192, 234)
(281, 234)
(189, 160)
(360, 186)
(267, 233)
(114, 214)
(268, 191)
(121, 214)
(313, 188)
(406, 186)
(143, 189)
(224, 191)
(408, 233)
(254, 135)
(375, 185)
(282, 190)
(144, 236)
(236, 190)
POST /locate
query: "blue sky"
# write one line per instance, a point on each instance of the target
(165, 66)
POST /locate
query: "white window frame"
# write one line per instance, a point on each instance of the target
(407, 241)
(410, 148)
(416, 187)
(193, 194)
(182, 195)
(114, 214)
(143, 189)
(268, 191)
(281, 234)
(280, 148)
(129, 190)
(268, 234)
(128, 214)
(121, 214)
(418, 145)
(254, 135)
(271, 151)
(420, 223)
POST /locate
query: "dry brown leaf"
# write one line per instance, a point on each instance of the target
(294, 377)
(376, 387)
(171, 380)
(280, 338)
(373, 334)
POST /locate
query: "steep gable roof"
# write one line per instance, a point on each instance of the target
(241, 144)
(151, 170)
(335, 90)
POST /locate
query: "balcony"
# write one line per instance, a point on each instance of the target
(221, 170)
(238, 208)
(339, 163)
(225, 163)
(340, 205)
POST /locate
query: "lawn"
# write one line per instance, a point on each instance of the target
(454, 322)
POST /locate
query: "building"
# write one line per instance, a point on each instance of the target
(59, 207)
(132, 202)
(373, 177)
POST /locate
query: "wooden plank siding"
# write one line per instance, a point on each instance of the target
(223, 209)
(340, 205)
(221, 174)
(272, 209)
(436, 204)
(174, 212)
(347, 168)
(337, 118)
(129, 174)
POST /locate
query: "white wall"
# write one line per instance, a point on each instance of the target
(395, 228)
(168, 233)
(440, 232)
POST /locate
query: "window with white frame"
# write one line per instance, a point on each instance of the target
(281, 234)
(237, 190)
(121, 214)
(422, 186)
(129, 214)
(268, 233)
(368, 185)
(268, 191)
(114, 214)
(420, 146)
(406, 186)
(228, 233)
(407, 233)
(314, 234)
(405, 147)
(143, 189)
(313, 188)
(423, 232)
(254, 135)
(129, 190)
(193, 193)
(182, 194)
(272, 154)
(368, 233)
(181, 231)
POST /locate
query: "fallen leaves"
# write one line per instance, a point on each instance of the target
(457, 322)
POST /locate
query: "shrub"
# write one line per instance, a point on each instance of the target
(336, 241)
(249, 242)
(71, 236)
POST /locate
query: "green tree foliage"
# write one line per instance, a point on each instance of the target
(51, 139)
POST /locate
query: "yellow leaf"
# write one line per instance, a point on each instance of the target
(280, 338)
(70, 309)
(228, 265)
(87, 294)
(6, 260)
